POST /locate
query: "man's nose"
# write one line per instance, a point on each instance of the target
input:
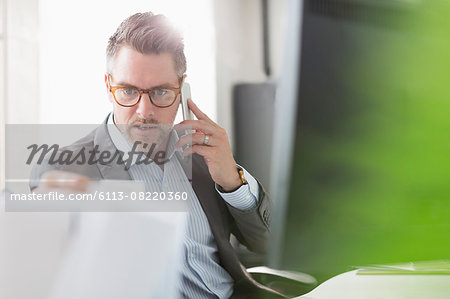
(145, 108)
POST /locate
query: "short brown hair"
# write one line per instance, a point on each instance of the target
(148, 33)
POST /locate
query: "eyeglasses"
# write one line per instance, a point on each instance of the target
(128, 96)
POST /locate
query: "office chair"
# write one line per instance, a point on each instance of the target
(289, 283)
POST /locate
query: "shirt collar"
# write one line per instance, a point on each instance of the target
(123, 145)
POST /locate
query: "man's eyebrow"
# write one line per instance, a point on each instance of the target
(164, 85)
(123, 84)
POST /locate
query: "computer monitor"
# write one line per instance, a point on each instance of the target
(360, 157)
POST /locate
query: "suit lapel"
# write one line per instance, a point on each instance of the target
(211, 202)
(217, 214)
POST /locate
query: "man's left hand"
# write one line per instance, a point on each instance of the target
(210, 141)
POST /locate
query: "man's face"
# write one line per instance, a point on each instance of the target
(144, 122)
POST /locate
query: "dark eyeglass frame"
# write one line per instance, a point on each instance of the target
(113, 89)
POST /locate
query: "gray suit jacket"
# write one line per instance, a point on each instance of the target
(251, 228)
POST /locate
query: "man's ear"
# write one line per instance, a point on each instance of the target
(107, 87)
(179, 95)
(106, 82)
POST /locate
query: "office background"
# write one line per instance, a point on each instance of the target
(371, 151)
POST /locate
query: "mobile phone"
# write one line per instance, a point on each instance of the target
(186, 94)
(187, 113)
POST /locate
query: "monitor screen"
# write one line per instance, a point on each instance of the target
(368, 166)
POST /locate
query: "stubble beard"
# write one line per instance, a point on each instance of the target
(144, 140)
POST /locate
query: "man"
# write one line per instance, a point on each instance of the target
(145, 69)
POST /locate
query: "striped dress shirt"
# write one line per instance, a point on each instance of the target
(202, 274)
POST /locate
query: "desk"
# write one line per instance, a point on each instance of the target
(349, 285)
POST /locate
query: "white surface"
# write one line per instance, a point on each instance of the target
(31, 248)
(123, 255)
(349, 285)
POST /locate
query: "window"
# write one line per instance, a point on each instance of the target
(73, 39)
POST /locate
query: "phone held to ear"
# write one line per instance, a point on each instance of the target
(187, 113)
(185, 95)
